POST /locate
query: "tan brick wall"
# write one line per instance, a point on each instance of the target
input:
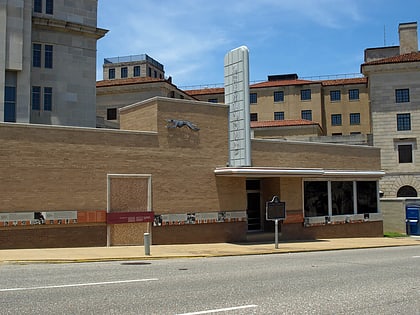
(49, 237)
(45, 168)
(200, 233)
(297, 232)
(314, 155)
(143, 117)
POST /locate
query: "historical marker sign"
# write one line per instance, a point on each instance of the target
(275, 209)
(237, 97)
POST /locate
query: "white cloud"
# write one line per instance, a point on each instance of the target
(187, 35)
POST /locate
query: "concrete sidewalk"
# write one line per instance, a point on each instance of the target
(86, 254)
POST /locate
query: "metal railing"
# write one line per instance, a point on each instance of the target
(310, 78)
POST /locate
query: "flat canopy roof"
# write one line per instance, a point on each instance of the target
(297, 172)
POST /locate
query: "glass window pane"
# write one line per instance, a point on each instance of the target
(253, 98)
(49, 6)
(342, 197)
(47, 98)
(316, 198)
(124, 72)
(306, 114)
(335, 96)
(36, 98)
(278, 115)
(403, 122)
(36, 55)
(355, 119)
(402, 95)
(353, 94)
(111, 73)
(367, 197)
(48, 56)
(305, 95)
(405, 153)
(336, 119)
(279, 96)
(38, 6)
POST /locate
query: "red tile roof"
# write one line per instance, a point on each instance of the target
(344, 81)
(128, 81)
(282, 123)
(281, 83)
(410, 57)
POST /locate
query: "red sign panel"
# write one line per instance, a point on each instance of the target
(129, 217)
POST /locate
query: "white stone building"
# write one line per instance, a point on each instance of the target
(394, 91)
(48, 61)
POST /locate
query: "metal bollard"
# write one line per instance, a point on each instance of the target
(147, 244)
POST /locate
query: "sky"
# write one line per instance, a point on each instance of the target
(312, 38)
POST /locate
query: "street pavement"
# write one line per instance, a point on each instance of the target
(86, 254)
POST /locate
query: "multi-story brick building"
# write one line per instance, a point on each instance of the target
(339, 106)
(48, 61)
(128, 80)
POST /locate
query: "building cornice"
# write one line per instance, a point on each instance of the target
(65, 26)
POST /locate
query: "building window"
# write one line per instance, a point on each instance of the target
(306, 114)
(10, 104)
(47, 98)
(335, 96)
(353, 94)
(111, 73)
(342, 197)
(36, 55)
(278, 115)
(212, 100)
(305, 95)
(150, 71)
(336, 119)
(253, 98)
(136, 71)
(355, 119)
(402, 95)
(155, 73)
(111, 114)
(319, 196)
(279, 96)
(48, 56)
(403, 122)
(49, 6)
(405, 153)
(254, 117)
(367, 197)
(36, 98)
(316, 198)
(407, 191)
(124, 72)
(38, 6)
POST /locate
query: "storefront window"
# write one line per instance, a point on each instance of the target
(342, 198)
(367, 200)
(323, 198)
(316, 199)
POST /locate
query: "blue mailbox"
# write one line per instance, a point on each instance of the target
(412, 219)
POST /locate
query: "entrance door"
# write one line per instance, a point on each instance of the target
(253, 205)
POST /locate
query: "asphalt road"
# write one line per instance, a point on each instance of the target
(368, 281)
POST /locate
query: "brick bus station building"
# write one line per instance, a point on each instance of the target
(74, 186)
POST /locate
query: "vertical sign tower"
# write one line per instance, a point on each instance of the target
(237, 97)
